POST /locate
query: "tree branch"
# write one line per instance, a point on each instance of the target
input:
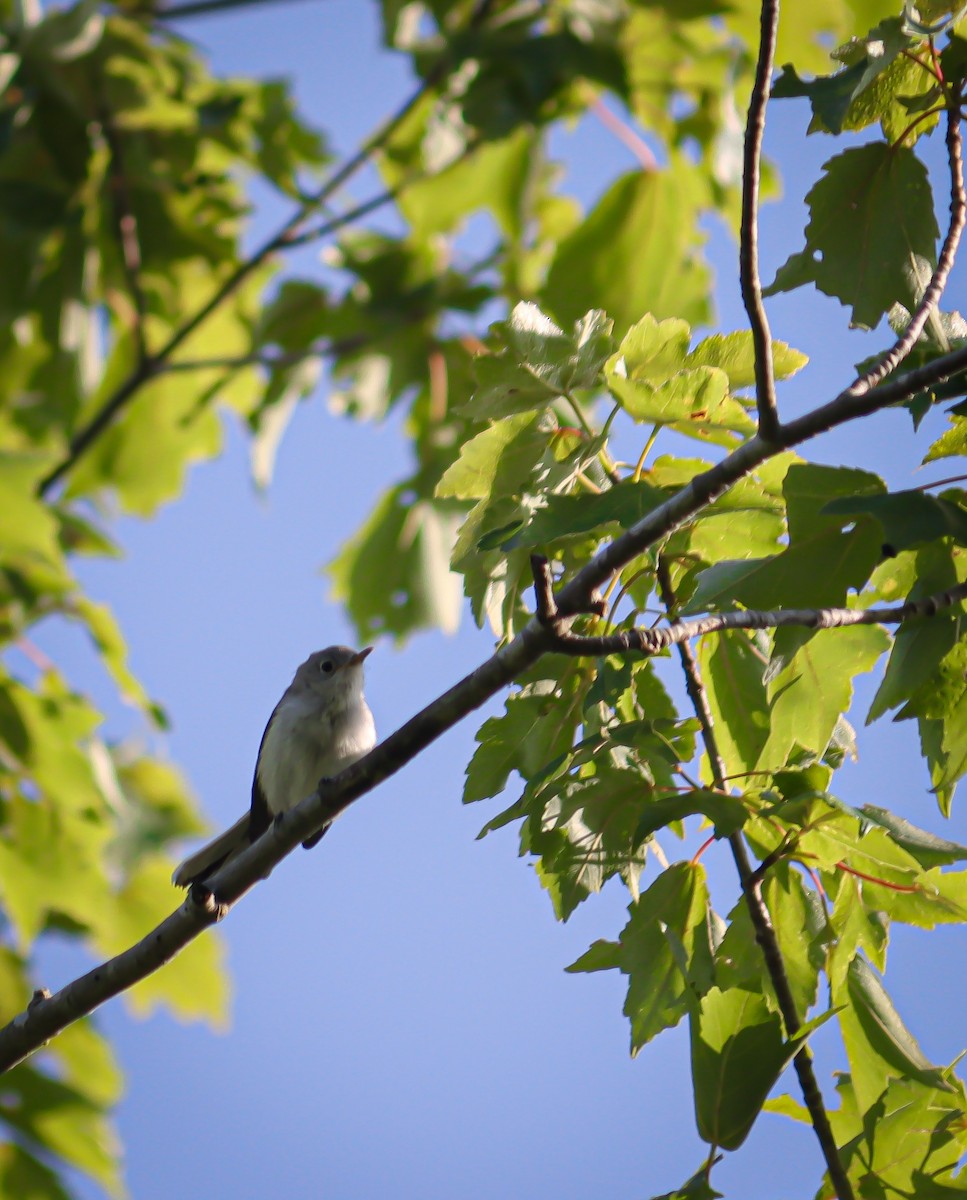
(202, 8)
(653, 640)
(286, 236)
(765, 382)
(765, 933)
(271, 361)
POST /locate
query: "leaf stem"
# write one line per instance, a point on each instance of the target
(640, 464)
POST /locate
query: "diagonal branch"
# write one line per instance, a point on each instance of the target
(202, 8)
(289, 234)
(765, 381)
(652, 640)
(765, 933)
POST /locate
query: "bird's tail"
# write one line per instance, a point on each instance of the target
(209, 858)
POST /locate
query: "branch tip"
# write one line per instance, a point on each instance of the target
(547, 612)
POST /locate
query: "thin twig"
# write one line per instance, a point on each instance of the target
(765, 381)
(202, 8)
(271, 361)
(765, 933)
(286, 236)
(624, 133)
(653, 640)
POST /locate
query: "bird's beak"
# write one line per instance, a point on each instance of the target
(357, 659)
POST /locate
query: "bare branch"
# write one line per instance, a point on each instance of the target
(652, 641)
(765, 933)
(765, 382)
(202, 8)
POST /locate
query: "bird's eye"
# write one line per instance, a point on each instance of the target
(326, 666)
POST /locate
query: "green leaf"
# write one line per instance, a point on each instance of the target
(144, 453)
(867, 89)
(534, 730)
(676, 905)
(801, 929)
(927, 848)
(27, 1178)
(61, 1121)
(815, 686)
(696, 1188)
(952, 443)
(496, 177)
(652, 351)
(733, 669)
(727, 813)
(87, 1063)
(909, 1141)
(394, 574)
(692, 402)
(537, 362)
(565, 515)
(497, 461)
(738, 1053)
(871, 1018)
(153, 804)
(584, 830)
(871, 236)
(110, 643)
(921, 646)
(907, 518)
(635, 253)
(27, 527)
(66, 34)
(734, 353)
(287, 387)
(822, 564)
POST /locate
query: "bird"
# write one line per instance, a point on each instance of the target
(321, 725)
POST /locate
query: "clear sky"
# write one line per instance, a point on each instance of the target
(401, 1022)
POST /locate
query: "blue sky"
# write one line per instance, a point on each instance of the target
(401, 1022)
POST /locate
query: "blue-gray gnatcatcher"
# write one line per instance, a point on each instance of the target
(321, 725)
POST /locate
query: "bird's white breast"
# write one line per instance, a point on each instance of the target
(303, 746)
